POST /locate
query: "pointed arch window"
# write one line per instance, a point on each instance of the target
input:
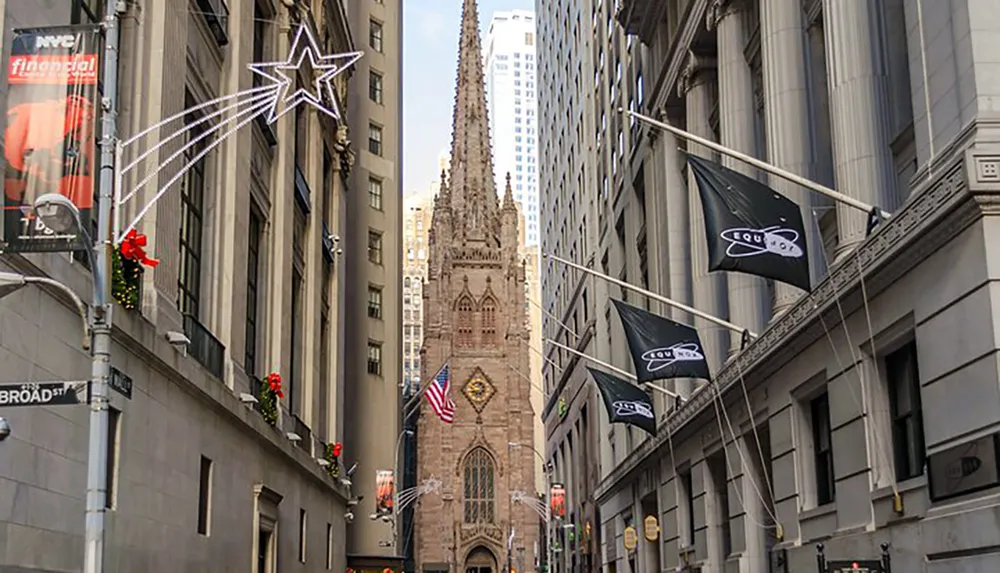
(479, 490)
(463, 328)
(489, 318)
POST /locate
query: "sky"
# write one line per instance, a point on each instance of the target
(430, 54)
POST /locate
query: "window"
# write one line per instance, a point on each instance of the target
(717, 471)
(374, 247)
(253, 274)
(192, 204)
(375, 139)
(375, 193)
(374, 86)
(87, 11)
(463, 328)
(204, 495)
(375, 35)
(478, 478)
(375, 358)
(903, 380)
(489, 322)
(260, 22)
(295, 372)
(687, 487)
(819, 408)
(114, 439)
(374, 302)
(329, 546)
(302, 535)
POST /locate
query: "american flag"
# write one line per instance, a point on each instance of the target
(437, 395)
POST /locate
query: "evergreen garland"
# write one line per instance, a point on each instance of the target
(126, 280)
(268, 405)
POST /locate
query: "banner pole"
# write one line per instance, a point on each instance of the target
(615, 369)
(798, 180)
(653, 295)
(553, 317)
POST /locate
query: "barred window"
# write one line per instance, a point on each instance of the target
(489, 322)
(463, 329)
(478, 474)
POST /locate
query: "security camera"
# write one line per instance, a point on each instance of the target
(178, 339)
(373, 517)
(349, 517)
(386, 518)
(248, 398)
(4, 429)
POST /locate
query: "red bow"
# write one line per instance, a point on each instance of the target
(337, 448)
(274, 381)
(132, 249)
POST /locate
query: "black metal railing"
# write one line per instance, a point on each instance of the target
(204, 347)
(256, 389)
(304, 432)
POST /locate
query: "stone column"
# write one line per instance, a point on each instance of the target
(671, 215)
(709, 289)
(748, 303)
(859, 113)
(786, 110)
(753, 546)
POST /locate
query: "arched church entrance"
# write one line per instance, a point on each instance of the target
(480, 560)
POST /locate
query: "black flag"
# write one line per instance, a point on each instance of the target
(660, 347)
(625, 402)
(751, 228)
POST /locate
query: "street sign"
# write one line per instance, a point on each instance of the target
(120, 382)
(42, 393)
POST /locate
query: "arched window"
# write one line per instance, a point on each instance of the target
(478, 474)
(489, 322)
(463, 328)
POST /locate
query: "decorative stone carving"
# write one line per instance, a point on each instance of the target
(719, 9)
(694, 73)
(342, 145)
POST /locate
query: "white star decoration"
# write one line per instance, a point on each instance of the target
(320, 94)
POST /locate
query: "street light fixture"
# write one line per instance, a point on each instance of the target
(12, 282)
(58, 213)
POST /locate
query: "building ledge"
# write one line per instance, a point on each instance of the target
(932, 217)
(139, 336)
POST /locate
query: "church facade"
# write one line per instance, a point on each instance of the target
(475, 322)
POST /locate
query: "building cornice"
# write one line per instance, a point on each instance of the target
(933, 217)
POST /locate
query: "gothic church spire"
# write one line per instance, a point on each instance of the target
(473, 195)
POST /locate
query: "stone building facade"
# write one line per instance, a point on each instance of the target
(846, 422)
(475, 321)
(248, 274)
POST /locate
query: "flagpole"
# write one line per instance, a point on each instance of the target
(653, 295)
(799, 180)
(416, 397)
(528, 380)
(553, 317)
(615, 369)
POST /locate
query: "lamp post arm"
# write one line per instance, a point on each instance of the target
(81, 308)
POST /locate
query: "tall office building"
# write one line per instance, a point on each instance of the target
(512, 100)
(837, 423)
(249, 283)
(417, 215)
(373, 351)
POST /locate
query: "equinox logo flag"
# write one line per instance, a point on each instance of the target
(660, 347)
(625, 402)
(750, 227)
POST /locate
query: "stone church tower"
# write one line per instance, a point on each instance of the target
(475, 320)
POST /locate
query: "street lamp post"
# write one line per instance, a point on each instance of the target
(547, 486)
(395, 504)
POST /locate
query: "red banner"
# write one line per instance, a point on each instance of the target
(49, 143)
(384, 491)
(558, 500)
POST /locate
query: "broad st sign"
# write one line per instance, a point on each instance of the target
(42, 394)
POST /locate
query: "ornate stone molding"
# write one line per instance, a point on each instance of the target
(717, 10)
(932, 218)
(696, 71)
(342, 145)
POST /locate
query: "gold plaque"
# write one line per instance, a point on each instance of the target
(651, 528)
(631, 538)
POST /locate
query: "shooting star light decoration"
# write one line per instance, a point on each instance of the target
(275, 100)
